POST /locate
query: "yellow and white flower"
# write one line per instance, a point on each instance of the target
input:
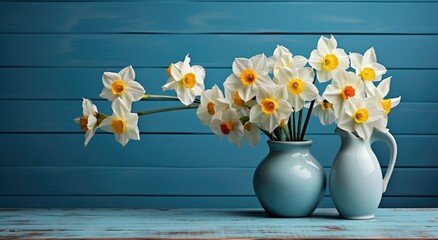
(248, 75)
(361, 116)
(299, 85)
(209, 101)
(122, 123)
(323, 109)
(345, 85)
(272, 107)
(327, 59)
(122, 85)
(186, 80)
(228, 124)
(367, 68)
(88, 121)
(283, 58)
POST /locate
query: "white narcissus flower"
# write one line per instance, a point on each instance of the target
(327, 59)
(249, 75)
(122, 85)
(209, 100)
(299, 85)
(323, 109)
(367, 68)
(361, 116)
(88, 121)
(283, 58)
(122, 123)
(345, 85)
(228, 124)
(380, 93)
(272, 107)
(186, 80)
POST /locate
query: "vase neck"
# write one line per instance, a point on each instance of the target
(279, 146)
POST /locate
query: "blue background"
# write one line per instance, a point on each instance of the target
(53, 53)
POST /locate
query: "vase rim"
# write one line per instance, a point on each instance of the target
(304, 142)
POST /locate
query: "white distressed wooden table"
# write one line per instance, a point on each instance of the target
(211, 224)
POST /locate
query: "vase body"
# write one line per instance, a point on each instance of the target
(356, 182)
(289, 181)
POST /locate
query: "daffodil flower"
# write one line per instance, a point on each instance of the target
(362, 116)
(323, 109)
(283, 58)
(367, 68)
(345, 85)
(327, 59)
(122, 123)
(248, 76)
(186, 80)
(252, 133)
(122, 85)
(209, 101)
(299, 85)
(88, 121)
(228, 124)
(272, 107)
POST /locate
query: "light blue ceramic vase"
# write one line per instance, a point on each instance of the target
(356, 182)
(289, 181)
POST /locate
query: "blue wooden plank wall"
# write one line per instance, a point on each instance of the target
(53, 53)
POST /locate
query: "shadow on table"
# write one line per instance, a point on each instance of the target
(260, 213)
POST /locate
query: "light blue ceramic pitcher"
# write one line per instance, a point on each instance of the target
(356, 182)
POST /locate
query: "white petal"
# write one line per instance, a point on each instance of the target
(199, 72)
(346, 123)
(107, 94)
(122, 139)
(369, 57)
(185, 66)
(256, 114)
(241, 64)
(171, 84)
(383, 87)
(134, 91)
(233, 83)
(307, 74)
(120, 108)
(310, 92)
(247, 93)
(379, 69)
(323, 76)
(395, 102)
(87, 107)
(127, 74)
(260, 64)
(109, 77)
(105, 125)
(364, 130)
(332, 94)
(176, 72)
(324, 46)
(328, 117)
(356, 60)
(299, 62)
(315, 60)
(88, 135)
(91, 121)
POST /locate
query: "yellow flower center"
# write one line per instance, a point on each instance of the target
(295, 86)
(226, 127)
(168, 70)
(238, 100)
(386, 104)
(118, 87)
(83, 121)
(248, 76)
(247, 126)
(210, 108)
(326, 105)
(118, 125)
(368, 74)
(348, 91)
(269, 106)
(361, 115)
(189, 80)
(330, 62)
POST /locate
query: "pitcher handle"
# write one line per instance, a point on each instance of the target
(389, 140)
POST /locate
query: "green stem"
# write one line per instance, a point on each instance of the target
(300, 119)
(289, 125)
(277, 132)
(286, 132)
(166, 110)
(293, 127)
(309, 112)
(163, 97)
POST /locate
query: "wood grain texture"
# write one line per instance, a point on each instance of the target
(220, 17)
(158, 50)
(212, 224)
